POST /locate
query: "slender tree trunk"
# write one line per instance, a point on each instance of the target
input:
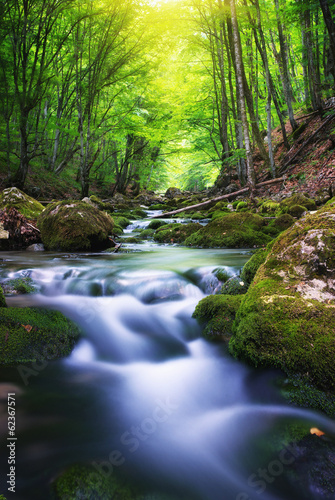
(329, 22)
(286, 76)
(268, 85)
(238, 55)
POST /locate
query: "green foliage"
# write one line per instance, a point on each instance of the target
(28, 334)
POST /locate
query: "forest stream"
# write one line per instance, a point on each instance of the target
(143, 396)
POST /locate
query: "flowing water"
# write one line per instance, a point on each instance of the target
(142, 395)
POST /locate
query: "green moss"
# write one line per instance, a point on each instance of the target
(275, 328)
(26, 205)
(217, 313)
(132, 239)
(251, 267)
(2, 298)
(241, 205)
(147, 233)
(74, 226)
(221, 274)
(287, 318)
(218, 214)
(121, 221)
(234, 286)
(220, 206)
(296, 211)
(155, 224)
(138, 212)
(234, 230)
(282, 222)
(175, 232)
(157, 206)
(21, 285)
(117, 230)
(270, 207)
(301, 393)
(297, 199)
(28, 334)
(101, 205)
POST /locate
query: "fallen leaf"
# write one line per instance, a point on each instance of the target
(27, 327)
(316, 431)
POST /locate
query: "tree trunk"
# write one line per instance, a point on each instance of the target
(329, 22)
(238, 55)
(286, 76)
(268, 85)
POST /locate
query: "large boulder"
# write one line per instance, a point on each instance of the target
(13, 197)
(172, 192)
(287, 317)
(234, 230)
(74, 226)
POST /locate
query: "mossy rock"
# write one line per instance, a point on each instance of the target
(218, 214)
(172, 192)
(283, 222)
(89, 482)
(222, 274)
(270, 207)
(117, 230)
(121, 221)
(26, 205)
(217, 313)
(296, 211)
(251, 266)
(101, 205)
(155, 224)
(81, 481)
(234, 230)
(157, 206)
(220, 205)
(31, 334)
(241, 205)
(132, 239)
(2, 298)
(175, 232)
(297, 199)
(287, 318)
(138, 212)
(23, 285)
(146, 234)
(74, 226)
(234, 286)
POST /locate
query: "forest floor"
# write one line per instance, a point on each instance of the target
(309, 165)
